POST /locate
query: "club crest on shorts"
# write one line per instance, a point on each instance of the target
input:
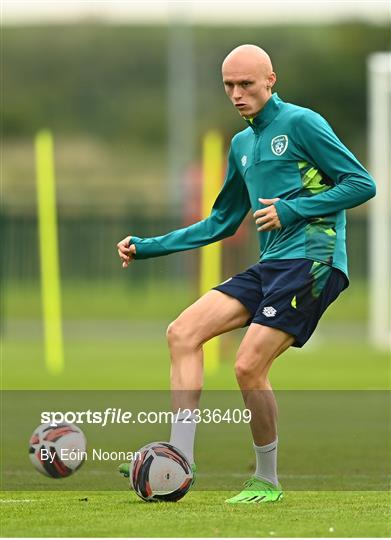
(244, 160)
(279, 144)
(269, 311)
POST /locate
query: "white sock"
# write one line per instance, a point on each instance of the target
(267, 462)
(183, 433)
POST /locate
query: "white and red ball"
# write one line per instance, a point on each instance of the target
(160, 472)
(57, 451)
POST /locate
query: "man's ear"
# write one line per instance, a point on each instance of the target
(272, 79)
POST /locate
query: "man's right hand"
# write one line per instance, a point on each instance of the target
(126, 252)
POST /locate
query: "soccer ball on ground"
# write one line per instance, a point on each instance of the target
(57, 451)
(160, 472)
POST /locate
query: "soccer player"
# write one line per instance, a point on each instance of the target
(291, 169)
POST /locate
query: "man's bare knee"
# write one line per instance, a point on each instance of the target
(180, 334)
(250, 373)
(243, 371)
(259, 348)
(211, 315)
(251, 368)
(174, 332)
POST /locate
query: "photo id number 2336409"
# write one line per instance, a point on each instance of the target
(214, 416)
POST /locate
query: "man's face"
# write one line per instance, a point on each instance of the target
(248, 89)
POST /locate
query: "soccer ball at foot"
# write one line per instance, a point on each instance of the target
(160, 472)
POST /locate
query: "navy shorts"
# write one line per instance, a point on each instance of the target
(290, 294)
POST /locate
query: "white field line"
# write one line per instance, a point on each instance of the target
(20, 500)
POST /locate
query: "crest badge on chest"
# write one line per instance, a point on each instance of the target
(279, 144)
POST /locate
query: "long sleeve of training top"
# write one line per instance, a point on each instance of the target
(353, 184)
(229, 210)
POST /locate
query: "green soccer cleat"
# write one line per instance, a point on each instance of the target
(257, 491)
(124, 469)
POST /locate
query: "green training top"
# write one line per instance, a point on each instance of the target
(292, 153)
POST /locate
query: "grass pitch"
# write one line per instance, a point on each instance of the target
(122, 514)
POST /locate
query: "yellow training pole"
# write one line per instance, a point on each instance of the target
(48, 243)
(210, 272)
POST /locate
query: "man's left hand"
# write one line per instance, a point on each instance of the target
(267, 219)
